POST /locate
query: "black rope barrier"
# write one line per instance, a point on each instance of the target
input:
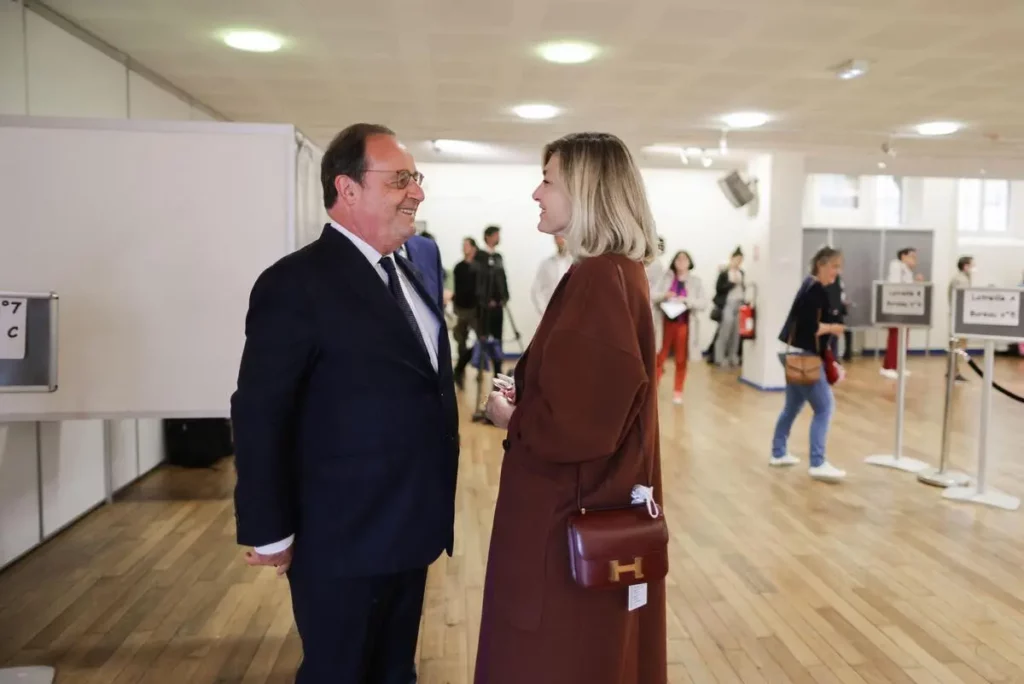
(981, 374)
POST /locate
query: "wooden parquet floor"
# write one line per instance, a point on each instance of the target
(774, 578)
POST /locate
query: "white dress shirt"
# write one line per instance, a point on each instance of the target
(549, 274)
(899, 272)
(429, 326)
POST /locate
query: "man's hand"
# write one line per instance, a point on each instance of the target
(281, 560)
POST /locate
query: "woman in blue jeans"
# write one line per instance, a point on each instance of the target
(808, 328)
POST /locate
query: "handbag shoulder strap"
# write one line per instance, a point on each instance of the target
(648, 458)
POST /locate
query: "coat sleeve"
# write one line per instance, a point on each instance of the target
(590, 377)
(278, 353)
(699, 298)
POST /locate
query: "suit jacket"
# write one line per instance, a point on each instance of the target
(345, 435)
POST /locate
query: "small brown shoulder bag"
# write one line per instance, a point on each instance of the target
(803, 369)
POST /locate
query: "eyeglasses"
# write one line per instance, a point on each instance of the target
(402, 178)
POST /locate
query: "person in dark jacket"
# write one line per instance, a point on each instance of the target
(808, 328)
(837, 301)
(346, 422)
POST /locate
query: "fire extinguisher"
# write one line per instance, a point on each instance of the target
(747, 317)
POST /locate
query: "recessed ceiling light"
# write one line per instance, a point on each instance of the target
(882, 165)
(938, 128)
(568, 52)
(253, 41)
(745, 119)
(536, 111)
(851, 69)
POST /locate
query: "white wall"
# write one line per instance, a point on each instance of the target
(462, 199)
(47, 71)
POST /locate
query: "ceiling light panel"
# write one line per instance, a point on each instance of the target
(252, 41)
(536, 111)
(745, 119)
(933, 128)
(568, 52)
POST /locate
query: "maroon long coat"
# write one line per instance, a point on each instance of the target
(585, 379)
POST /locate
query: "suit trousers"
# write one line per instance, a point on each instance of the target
(358, 630)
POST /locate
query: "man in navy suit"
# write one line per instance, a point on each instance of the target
(345, 420)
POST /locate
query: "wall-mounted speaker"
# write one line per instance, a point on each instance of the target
(739, 192)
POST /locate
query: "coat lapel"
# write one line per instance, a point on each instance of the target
(363, 281)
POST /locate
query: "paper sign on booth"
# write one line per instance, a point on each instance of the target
(12, 328)
(903, 300)
(991, 308)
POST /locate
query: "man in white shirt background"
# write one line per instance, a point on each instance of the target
(901, 270)
(549, 274)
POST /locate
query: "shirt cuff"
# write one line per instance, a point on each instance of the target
(276, 547)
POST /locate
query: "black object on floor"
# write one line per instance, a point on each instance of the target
(197, 442)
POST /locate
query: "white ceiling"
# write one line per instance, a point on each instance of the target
(454, 68)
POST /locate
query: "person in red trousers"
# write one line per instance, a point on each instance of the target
(901, 270)
(678, 295)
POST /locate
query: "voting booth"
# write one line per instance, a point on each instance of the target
(902, 306)
(991, 315)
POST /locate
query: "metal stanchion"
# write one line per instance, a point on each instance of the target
(980, 493)
(897, 460)
(940, 477)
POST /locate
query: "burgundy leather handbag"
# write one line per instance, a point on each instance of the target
(612, 548)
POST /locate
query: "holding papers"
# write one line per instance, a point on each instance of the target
(673, 308)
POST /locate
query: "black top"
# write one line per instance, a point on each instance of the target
(465, 276)
(835, 299)
(810, 306)
(493, 283)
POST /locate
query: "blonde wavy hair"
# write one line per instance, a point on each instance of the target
(610, 213)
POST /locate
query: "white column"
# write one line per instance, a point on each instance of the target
(776, 264)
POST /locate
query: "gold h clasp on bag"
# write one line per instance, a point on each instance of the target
(636, 568)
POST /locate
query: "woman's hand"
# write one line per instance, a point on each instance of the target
(499, 409)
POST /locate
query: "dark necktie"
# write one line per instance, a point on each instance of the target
(388, 263)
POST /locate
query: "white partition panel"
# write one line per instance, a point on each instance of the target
(152, 233)
(19, 490)
(72, 469)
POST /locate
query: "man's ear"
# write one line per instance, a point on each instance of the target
(348, 189)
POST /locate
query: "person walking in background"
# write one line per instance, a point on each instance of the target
(582, 417)
(345, 420)
(466, 303)
(811, 319)
(729, 293)
(679, 287)
(840, 309)
(901, 270)
(961, 279)
(549, 274)
(493, 293)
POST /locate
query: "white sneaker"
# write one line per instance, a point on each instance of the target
(827, 472)
(787, 460)
(677, 398)
(888, 373)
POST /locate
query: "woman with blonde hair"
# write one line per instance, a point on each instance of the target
(582, 426)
